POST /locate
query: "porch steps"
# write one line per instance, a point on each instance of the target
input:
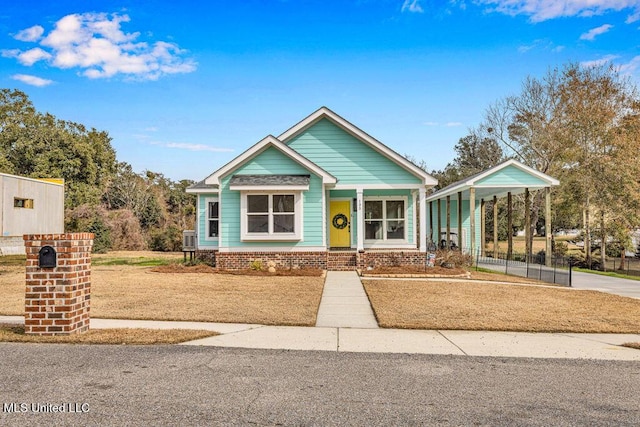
(341, 261)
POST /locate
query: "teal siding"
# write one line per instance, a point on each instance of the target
(511, 175)
(347, 158)
(466, 222)
(202, 227)
(272, 161)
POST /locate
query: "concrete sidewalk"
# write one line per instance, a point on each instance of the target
(344, 302)
(469, 343)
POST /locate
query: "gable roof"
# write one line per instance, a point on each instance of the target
(543, 180)
(259, 147)
(325, 113)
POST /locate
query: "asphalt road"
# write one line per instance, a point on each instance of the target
(180, 385)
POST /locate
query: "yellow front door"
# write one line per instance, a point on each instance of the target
(340, 224)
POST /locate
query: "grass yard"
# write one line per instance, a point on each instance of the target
(496, 307)
(13, 333)
(125, 291)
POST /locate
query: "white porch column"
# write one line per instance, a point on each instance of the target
(360, 213)
(472, 221)
(422, 194)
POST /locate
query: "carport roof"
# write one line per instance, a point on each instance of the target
(508, 177)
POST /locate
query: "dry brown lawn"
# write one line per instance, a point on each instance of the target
(13, 333)
(496, 307)
(131, 292)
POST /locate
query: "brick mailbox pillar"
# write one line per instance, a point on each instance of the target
(58, 279)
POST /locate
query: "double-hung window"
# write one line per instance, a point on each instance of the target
(269, 216)
(385, 219)
(212, 219)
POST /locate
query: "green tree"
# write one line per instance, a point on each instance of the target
(39, 145)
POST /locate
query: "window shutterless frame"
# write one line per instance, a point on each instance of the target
(271, 216)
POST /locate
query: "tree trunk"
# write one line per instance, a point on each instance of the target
(622, 260)
(587, 234)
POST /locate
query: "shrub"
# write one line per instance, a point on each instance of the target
(454, 258)
(256, 265)
(166, 240)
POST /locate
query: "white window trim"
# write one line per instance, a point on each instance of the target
(384, 241)
(245, 236)
(208, 200)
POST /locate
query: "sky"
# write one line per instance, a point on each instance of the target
(184, 87)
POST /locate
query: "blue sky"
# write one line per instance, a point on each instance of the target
(183, 88)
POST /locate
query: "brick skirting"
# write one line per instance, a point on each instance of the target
(329, 260)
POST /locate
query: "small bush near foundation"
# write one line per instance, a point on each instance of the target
(256, 265)
(453, 259)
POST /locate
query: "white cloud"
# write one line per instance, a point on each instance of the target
(542, 10)
(30, 34)
(594, 32)
(453, 124)
(412, 6)
(540, 44)
(96, 44)
(597, 62)
(32, 80)
(195, 147)
(635, 16)
(431, 123)
(631, 67)
(32, 56)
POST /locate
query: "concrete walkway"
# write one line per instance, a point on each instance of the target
(469, 343)
(344, 303)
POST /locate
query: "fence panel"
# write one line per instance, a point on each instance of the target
(530, 267)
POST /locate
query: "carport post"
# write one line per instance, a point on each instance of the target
(431, 220)
(448, 244)
(495, 227)
(459, 220)
(439, 223)
(527, 223)
(483, 226)
(547, 226)
(509, 226)
(472, 219)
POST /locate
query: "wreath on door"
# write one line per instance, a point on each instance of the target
(340, 221)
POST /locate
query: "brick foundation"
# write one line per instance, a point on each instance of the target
(283, 260)
(390, 258)
(330, 260)
(57, 299)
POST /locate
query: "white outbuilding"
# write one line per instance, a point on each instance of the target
(29, 206)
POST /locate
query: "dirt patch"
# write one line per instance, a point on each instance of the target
(409, 269)
(119, 336)
(203, 268)
(499, 307)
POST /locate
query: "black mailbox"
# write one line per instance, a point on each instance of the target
(47, 257)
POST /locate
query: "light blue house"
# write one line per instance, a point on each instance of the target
(323, 194)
